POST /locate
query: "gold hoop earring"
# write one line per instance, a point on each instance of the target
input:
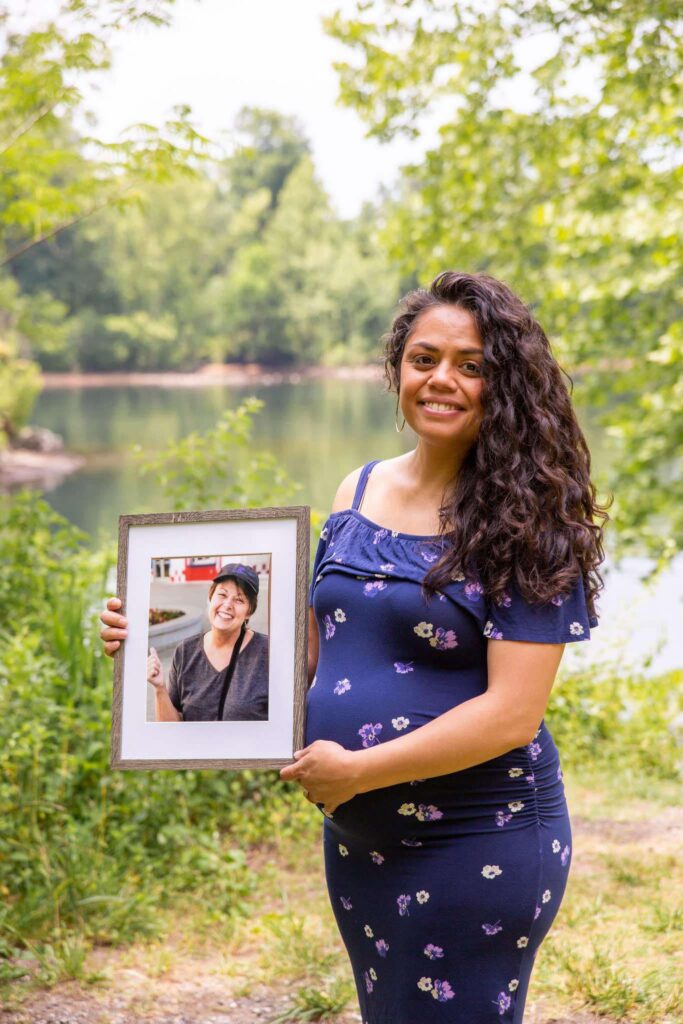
(398, 429)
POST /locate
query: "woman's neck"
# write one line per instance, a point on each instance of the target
(219, 639)
(433, 469)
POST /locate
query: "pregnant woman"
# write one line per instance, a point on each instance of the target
(439, 617)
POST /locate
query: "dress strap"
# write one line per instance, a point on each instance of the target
(362, 481)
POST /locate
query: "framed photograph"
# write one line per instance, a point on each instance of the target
(213, 673)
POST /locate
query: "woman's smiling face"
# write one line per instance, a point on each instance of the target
(441, 377)
(228, 606)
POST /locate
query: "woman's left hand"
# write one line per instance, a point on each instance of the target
(326, 771)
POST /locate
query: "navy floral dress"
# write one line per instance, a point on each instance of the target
(443, 888)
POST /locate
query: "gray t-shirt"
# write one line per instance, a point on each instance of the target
(194, 685)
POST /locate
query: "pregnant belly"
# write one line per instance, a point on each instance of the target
(508, 792)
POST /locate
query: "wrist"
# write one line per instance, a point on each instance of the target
(360, 771)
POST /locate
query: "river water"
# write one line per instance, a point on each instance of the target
(319, 430)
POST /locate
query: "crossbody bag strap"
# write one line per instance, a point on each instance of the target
(229, 671)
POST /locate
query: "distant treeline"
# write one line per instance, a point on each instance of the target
(245, 261)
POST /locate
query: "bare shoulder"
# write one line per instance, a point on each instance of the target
(346, 490)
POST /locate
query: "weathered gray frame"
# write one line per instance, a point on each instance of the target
(302, 515)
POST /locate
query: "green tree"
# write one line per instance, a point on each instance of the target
(571, 200)
(52, 178)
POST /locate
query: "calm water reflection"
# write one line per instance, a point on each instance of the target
(320, 430)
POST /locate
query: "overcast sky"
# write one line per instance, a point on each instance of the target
(219, 55)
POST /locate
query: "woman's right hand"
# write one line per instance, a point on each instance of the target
(116, 627)
(155, 673)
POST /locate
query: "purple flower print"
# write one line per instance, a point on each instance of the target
(442, 991)
(368, 982)
(342, 686)
(329, 627)
(444, 639)
(504, 601)
(379, 535)
(503, 1002)
(403, 667)
(473, 590)
(557, 599)
(534, 750)
(370, 733)
(530, 778)
(537, 912)
(502, 818)
(433, 952)
(429, 552)
(428, 812)
(346, 903)
(411, 842)
(403, 902)
(371, 588)
(382, 947)
(559, 773)
(564, 856)
(376, 857)
(492, 929)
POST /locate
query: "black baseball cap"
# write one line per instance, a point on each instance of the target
(244, 574)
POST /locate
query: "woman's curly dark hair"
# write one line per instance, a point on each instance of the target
(522, 507)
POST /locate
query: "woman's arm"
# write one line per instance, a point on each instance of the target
(165, 711)
(507, 715)
(520, 678)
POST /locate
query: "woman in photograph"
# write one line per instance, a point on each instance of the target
(221, 675)
(439, 617)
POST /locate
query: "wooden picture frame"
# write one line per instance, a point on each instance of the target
(273, 541)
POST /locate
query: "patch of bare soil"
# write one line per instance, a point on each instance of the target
(204, 990)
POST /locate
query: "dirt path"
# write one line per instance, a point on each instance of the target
(222, 983)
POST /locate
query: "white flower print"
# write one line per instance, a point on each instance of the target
(422, 896)
(514, 773)
(376, 857)
(425, 984)
(400, 723)
(512, 985)
(424, 629)
(342, 686)
(516, 805)
(407, 809)
(339, 615)
(522, 942)
(556, 845)
(323, 533)
(546, 896)
(491, 870)
(373, 974)
(387, 567)
(458, 577)
(576, 629)
(369, 932)
(342, 849)
(490, 630)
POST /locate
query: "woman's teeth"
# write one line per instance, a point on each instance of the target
(440, 407)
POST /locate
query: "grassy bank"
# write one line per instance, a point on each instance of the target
(610, 956)
(93, 860)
